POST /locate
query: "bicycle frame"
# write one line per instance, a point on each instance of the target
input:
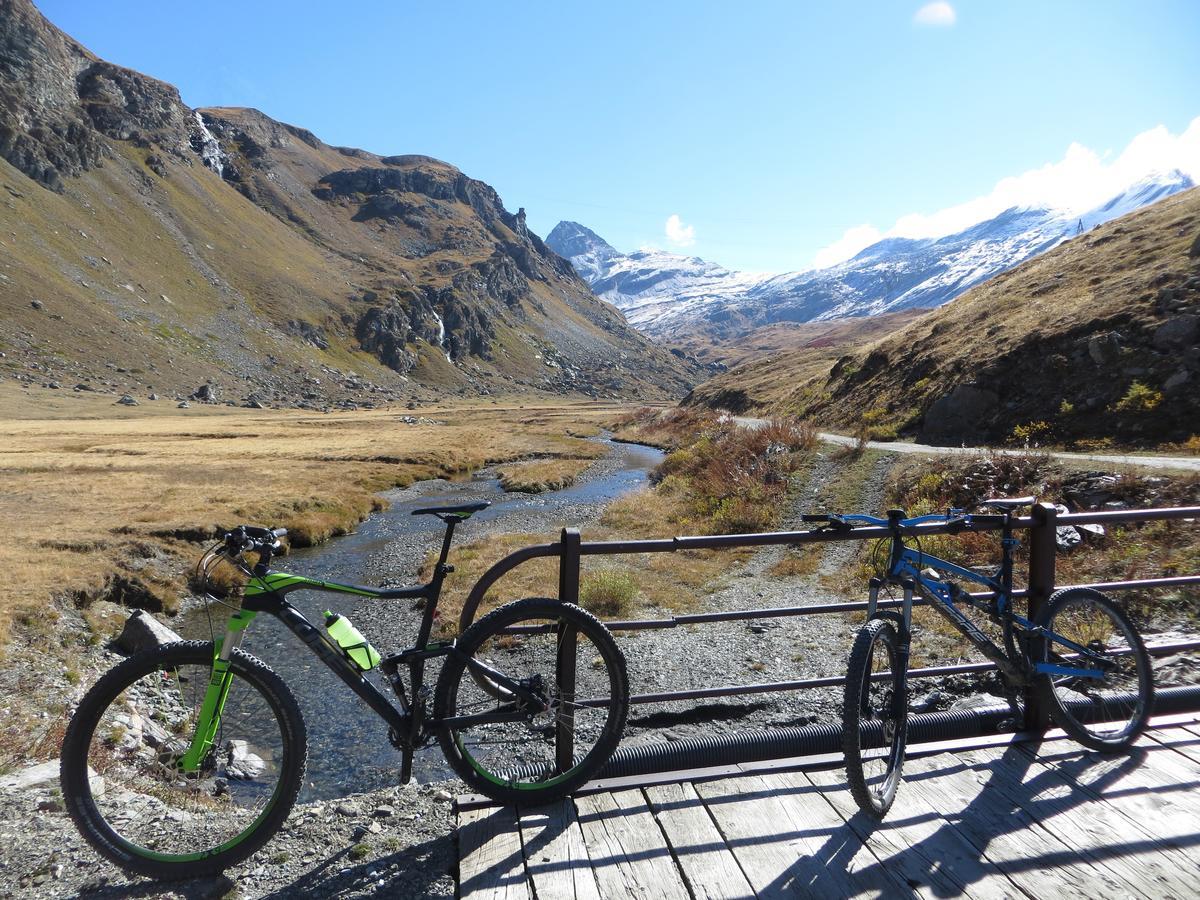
(907, 568)
(266, 592)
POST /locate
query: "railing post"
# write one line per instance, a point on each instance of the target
(564, 669)
(1042, 549)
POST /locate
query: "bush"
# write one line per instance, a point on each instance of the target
(1031, 433)
(607, 592)
(1139, 398)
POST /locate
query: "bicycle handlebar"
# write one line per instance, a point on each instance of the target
(955, 520)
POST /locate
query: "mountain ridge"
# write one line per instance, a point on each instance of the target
(221, 245)
(667, 294)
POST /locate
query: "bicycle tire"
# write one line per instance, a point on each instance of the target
(147, 692)
(525, 772)
(1132, 682)
(863, 729)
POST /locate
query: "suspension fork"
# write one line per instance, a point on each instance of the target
(208, 723)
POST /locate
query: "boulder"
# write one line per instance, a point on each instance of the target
(142, 632)
(1176, 332)
(959, 416)
(1104, 349)
(206, 393)
(127, 400)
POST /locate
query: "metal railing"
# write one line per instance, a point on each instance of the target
(570, 549)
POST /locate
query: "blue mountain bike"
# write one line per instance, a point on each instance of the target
(1081, 652)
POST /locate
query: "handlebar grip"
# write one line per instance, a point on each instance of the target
(814, 517)
(955, 525)
(279, 532)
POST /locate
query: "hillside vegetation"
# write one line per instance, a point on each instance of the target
(146, 247)
(1092, 344)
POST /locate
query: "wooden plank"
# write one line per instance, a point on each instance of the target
(1095, 829)
(1152, 786)
(1183, 740)
(628, 850)
(1032, 857)
(708, 866)
(807, 805)
(555, 854)
(491, 863)
(787, 843)
(916, 843)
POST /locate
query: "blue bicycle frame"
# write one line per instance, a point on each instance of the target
(927, 575)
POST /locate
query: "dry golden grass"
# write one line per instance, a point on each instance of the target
(538, 475)
(98, 495)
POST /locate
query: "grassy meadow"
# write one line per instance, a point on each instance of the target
(105, 502)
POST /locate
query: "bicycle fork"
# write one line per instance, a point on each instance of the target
(208, 723)
(905, 635)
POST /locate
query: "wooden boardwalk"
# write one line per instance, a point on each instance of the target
(1012, 820)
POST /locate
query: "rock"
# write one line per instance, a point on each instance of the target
(142, 632)
(442, 796)
(152, 397)
(1104, 349)
(242, 763)
(385, 811)
(50, 805)
(1176, 380)
(252, 402)
(1066, 537)
(183, 404)
(37, 304)
(346, 809)
(960, 413)
(979, 701)
(127, 400)
(206, 393)
(35, 776)
(1176, 332)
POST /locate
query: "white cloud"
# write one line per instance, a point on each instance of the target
(678, 234)
(936, 15)
(855, 239)
(1082, 180)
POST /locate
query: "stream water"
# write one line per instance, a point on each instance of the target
(348, 746)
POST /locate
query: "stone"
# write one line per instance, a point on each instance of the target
(1176, 332)
(152, 397)
(37, 304)
(385, 811)
(206, 393)
(183, 404)
(127, 400)
(958, 415)
(242, 763)
(1104, 349)
(1176, 380)
(142, 632)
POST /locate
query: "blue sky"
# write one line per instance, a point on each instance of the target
(768, 129)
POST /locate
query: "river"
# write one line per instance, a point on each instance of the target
(348, 745)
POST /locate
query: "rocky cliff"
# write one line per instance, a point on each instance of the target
(152, 247)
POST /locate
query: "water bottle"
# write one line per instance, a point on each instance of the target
(350, 639)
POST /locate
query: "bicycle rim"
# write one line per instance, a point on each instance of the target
(154, 810)
(1110, 710)
(520, 754)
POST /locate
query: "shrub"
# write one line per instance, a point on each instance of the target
(1031, 433)
(607, 592)
(1139, 398)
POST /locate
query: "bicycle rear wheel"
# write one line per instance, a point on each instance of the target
(506, 747)
(1106, 713)
(122, 779)
(875, 717)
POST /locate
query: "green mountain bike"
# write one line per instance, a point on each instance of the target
(183, 760)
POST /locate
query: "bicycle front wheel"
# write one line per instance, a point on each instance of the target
(540, 746)
(1103, 703)
(875, 717)
(123, 780)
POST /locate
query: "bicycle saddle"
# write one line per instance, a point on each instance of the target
(1009, 503)
(460, 510)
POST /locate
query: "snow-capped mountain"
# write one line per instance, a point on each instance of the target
(665, 294)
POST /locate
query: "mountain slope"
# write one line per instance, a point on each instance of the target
(1097, 340)
(148, 246)
(668, 295)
